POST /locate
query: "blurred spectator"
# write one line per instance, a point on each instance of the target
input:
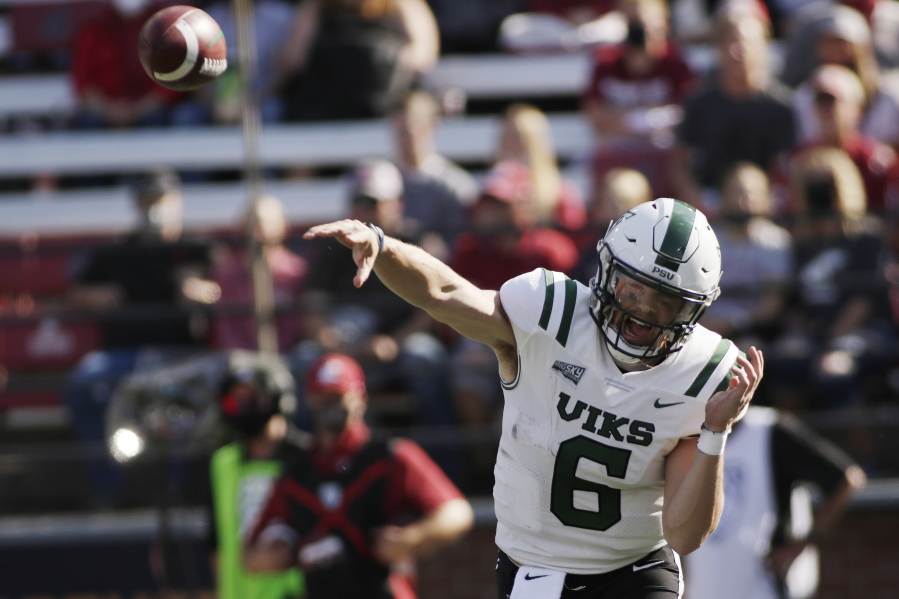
(526, 138)
(354, 513)
(505, 238)
(846, 40)
(147, 285)
(111, 86)
(838, 104)
(553, 25)
(272, 19)
(634, 95)
(743, 114)
(354, 59)
(243, 473)
(150, 291)
(234, 326)
(877, 34)
(636, 87)
(839, 44)
(436, 192)
(756, 257)
(504, 241)
(764, 546)
(619, 190)
(837, 331)
(392, 340)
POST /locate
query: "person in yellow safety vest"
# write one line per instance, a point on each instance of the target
(242, 475)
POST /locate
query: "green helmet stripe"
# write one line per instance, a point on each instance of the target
(567, 312)
(706, 373)
(677, 236)
(547, 299)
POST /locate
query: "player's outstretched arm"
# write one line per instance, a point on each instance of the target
(694, 482)
(425, 282)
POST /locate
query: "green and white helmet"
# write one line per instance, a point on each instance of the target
(659, 268)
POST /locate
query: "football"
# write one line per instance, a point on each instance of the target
(182, 47)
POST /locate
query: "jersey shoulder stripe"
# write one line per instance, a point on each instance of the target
(705, 374)
(567, 312)
(549, 294)
(570, 298)
(724, 381)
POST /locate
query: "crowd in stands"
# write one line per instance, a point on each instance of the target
(795, 168)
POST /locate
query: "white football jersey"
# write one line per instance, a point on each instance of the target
(580, 468)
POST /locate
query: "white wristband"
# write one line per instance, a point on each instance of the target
(711, 442)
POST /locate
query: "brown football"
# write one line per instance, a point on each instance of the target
(182, 47)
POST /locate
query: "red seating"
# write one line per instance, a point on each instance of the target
(32, 398)
(42, 343)
(40, 266)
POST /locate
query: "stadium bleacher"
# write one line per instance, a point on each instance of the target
(59, 218)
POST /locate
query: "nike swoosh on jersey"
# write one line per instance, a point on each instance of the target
(529, 577)
(644, 566)
(658, 403)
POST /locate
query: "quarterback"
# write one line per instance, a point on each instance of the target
(617, 402)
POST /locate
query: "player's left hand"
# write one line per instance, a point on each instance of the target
(356, 236)
(724, 407)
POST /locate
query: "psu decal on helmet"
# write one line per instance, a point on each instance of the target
(659, 268)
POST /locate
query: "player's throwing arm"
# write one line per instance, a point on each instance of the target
(427, 283)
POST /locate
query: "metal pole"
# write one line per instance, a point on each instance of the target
(263, 291)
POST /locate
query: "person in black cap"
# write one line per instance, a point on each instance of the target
(148, 291)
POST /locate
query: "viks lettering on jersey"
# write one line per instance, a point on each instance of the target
(610, 426)
(569, 371)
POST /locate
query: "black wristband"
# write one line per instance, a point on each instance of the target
(380, 233)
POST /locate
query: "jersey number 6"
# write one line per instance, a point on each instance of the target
(566, 483)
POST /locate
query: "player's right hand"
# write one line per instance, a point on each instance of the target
(356, 236)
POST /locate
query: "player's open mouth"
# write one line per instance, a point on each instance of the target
(636, 333)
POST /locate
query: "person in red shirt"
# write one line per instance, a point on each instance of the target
(633, 98)
(629, 81)
(111, 86)
(353, 512)
(839, 99)
(504, 240)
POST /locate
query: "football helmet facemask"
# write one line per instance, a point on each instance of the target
(659, 268)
